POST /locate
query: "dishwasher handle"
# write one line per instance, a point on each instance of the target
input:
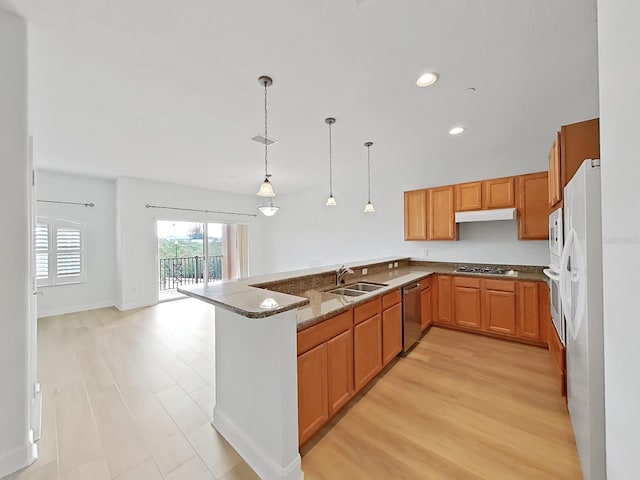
(411, 288)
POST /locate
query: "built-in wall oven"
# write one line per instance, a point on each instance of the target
(556, 237)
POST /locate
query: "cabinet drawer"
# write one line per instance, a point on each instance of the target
(368, 310)
(426, 283)
(469, 282)
(500, 285)
(320, 333)
(390, 299)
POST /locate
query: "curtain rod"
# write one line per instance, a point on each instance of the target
(199, 210)
(91, 205)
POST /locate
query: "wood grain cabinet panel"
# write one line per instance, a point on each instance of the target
(391, 333)
(555, 185)
(367, 347)
(415, 215)
(339, 371)
(466, 301)
(313, 404)
(578, 142)
(441, 220)
(425, 304)
(499, 193)
(444, 299)
(468, 196)
(533, 206)
(528, 311)
(500, 312)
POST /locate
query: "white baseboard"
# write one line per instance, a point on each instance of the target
(131, 306)
(265, 467)
(49, 312)
(19, 457)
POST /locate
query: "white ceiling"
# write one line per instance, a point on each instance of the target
(168, 90)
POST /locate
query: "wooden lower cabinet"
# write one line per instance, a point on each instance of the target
(367, 351)
(313, 403)
(500, 307)
(339, 371)
(444, 299)
(391, 333)
(529, 311)
(425, 303)
(466, 302)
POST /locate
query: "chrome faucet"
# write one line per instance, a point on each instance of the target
(341, 272)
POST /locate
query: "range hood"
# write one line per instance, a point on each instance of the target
(486, 215)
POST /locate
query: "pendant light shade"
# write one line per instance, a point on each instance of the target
(266, 188)
(368, 208)
(331, 201)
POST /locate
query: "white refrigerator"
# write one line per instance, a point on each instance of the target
(581, 294)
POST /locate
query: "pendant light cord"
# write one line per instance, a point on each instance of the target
(369, 172)
(330, 165)
(266, 173)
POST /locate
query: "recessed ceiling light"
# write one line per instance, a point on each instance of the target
(456, 130)
(427, 79)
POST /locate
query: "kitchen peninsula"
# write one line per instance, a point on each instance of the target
(265, 325)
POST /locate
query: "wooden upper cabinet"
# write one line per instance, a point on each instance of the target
(468, 196)
(441, 220)
(533, 206)
(555, 185)
(415, 215)
(499, 193)
(578, 142)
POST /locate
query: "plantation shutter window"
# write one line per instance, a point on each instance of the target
(59, 252)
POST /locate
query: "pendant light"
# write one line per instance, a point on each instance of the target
(266, 189)
(368, 208)
(331, 201)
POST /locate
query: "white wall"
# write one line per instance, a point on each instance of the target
(306, 233)
(99, 289)
(619, 44)
(136, 238)
(15, 294)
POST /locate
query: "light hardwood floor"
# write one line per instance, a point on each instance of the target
(460, 406)
(129, 395)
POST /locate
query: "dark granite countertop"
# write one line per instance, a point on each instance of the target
(306, 290)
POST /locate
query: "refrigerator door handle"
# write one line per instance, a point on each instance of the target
(565, 275)
(577, 273)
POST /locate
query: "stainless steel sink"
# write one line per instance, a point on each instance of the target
(365, 286)
(357, 289)
(348, 292)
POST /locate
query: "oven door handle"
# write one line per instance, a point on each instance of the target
(552, 275)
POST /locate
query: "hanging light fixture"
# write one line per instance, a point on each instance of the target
(266, 189)
(368, 208)
(331, 201)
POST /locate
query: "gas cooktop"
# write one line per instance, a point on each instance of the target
(485, 270)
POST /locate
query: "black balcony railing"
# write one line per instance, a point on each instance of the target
(178, 271)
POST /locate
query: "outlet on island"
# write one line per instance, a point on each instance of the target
(365, 271)
(390, 266)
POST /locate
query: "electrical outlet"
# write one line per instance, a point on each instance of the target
(395, 264)
(365, 271)
(425, 252)
(390, 266)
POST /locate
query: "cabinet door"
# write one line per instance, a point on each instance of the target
(340, 370)
(444, 299)
(528, 311)
(499, 193)
(313, 402)
(391, 333)
(441, 220)
(425, 307)
(555, 187)
(468, 196)
(533, 206)
(466, 310)
(367, 347)
(578, 142)
(415, 215)
(500, 312)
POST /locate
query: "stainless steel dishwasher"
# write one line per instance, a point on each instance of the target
(411, 323)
